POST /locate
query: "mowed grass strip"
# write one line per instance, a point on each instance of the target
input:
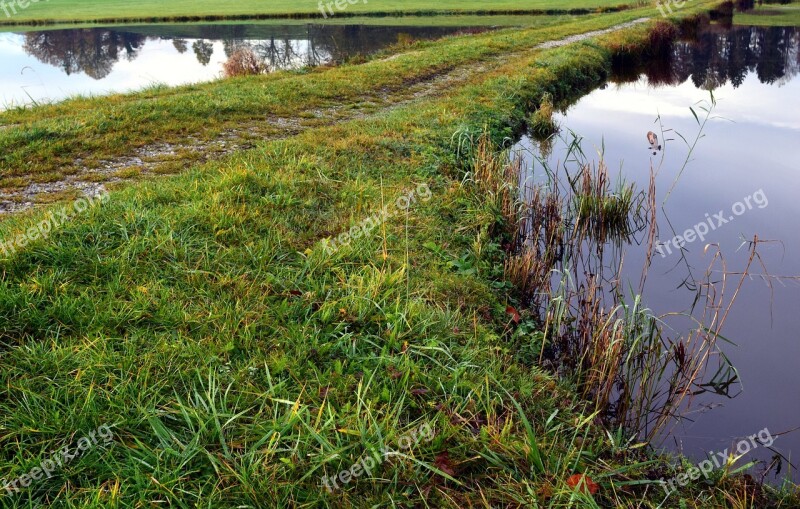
(89, 10)
(770, 15)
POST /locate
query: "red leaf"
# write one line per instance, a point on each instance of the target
(420, 392)
(443, 463)
(583, 483)
(514, 313)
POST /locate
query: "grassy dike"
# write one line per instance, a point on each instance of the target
(237, 360)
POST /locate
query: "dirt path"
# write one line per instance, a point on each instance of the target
(164, 158)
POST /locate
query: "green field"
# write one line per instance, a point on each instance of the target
(271, 26)
(92, 10)
(770, 15)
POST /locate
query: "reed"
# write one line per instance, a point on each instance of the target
(565, 259)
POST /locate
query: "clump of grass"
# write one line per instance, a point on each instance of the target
(603, 213)
(661, 37)
(243, 62)
(723, 13)
(529, 269)
(542, 124)
(495, 178)
(404, 40)
(689, 27)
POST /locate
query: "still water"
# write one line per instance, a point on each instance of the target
(745, 166)
(55, 64)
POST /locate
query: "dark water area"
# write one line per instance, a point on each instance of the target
(742, 180)
(55, 64)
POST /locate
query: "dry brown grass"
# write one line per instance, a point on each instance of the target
(243, 62)
(563, 244)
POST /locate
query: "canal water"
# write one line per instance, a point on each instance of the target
(741, 180)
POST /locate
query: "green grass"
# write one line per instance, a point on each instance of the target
(92, 10)
(298, 27)
(237, 361)
(770, 15)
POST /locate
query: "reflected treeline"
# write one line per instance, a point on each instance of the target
(718, 56)
(94, 51)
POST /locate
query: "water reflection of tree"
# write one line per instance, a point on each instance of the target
(203, 51)
(720, 57)
(181, 46)
(93, 51)
(280, 53)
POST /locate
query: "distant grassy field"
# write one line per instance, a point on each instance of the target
(459, 20)
(770, 15)
(90, 10)
(267, 25)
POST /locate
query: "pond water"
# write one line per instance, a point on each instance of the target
(54, 64)
(746, 166)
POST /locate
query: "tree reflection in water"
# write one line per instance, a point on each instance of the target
(93, 51)
(718, 56)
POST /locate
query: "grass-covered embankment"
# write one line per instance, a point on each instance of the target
(238, 361)
(110, 11)
(769, 15)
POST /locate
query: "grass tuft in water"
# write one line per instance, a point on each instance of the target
(542, 124)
